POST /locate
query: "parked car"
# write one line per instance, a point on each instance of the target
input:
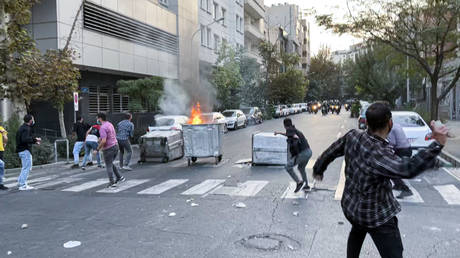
(253, 115)
(304, 107)
(362, 117)
(417, 131)
(166, 123)
(278, 111)
(234, 118)
(292, 109)
(286, 110)
(215, 117)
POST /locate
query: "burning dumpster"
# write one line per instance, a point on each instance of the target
(163, 145)
(202, 140)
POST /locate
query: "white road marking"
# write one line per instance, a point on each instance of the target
(163, 187)
(87, 185)
(124, 186)
(450, 193)
(340, 184)
(343, 126)
(58, 182)
(35, 180)
(339, 134)
(415, 198)
(454, 172)
(249, 188)
(311, 163)
(204, 187)
(289, 192)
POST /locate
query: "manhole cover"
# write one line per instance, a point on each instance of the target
(269, 242)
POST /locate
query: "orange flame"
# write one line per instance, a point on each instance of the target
(195, 115)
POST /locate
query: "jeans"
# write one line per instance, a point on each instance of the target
(386, 238)
(125, 144)
(110, 155)
(26, 161)
(89, 147)
(2, 167)
(76, 152)
(301, 160)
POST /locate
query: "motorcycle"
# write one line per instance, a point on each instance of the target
(347, 107)
(325, 110)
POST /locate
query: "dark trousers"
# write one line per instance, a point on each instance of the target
(109, 156)
(386, 238)
(399, 183)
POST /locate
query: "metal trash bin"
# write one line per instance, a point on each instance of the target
(269, 149)
(164, 145)
(203, 141)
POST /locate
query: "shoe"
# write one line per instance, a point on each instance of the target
(26, 188)
(306, 188)
(298, 187)
(112, 185)
(405, 193)
(90, 164)
(120, 180)
(74, 166)
(100, 166)
(398, 187)
(121, 168)
(127, 168)
(83, 168)
(2, 187)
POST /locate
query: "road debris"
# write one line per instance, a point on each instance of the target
(340, 222)
(189, 200)
(171, 214)
(295, 213)
(71, 244)
(290, 247)
(239, 205)
(194, 204)
(24, 226)
(9, 253)
(295, 203)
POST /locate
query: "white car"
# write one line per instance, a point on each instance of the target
(417, 131)
(297, 108)
(285, 110)
(292, 109)
(234, 118)
(215, 117)
(166, 123)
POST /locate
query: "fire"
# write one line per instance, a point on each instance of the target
(195, 115)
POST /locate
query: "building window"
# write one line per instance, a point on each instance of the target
(120, 103)
(241, 24)
(208, 5)
(224, 12)
(215, 11)
(203, 35)
(208, 37)
(237, 21)
(224, 41)
(216, 43)
(203, 4)
(98, 100)
(163, 2)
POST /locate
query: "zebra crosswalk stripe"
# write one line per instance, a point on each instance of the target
(450, 193)
(163, 187)
(35, 180)
(249, 188)
(87, 185)
(289, 192)
(204, 187)
(58, 182)
(124, 186)
(415, 198)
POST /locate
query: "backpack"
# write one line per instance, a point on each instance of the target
(94, 131)
(294, 145)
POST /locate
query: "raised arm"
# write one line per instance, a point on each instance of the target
(337, 149)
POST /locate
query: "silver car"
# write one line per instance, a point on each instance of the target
(234, 118)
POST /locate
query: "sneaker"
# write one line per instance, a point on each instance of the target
(121, 168)
(405, 193)
(90, 164)
(127, 168)
(2, 187)
(74, 166)
(83, 168)
(306, 188)
(120, 180)
(26, 188)
(112, 185)
(298, 187)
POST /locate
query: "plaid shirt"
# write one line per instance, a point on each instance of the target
(125, 130)
(370, 163)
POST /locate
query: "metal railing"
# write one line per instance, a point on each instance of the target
(56, 151)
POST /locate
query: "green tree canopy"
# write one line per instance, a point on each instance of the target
(144, 94)
(324, 77)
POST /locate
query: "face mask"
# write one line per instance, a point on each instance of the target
(98, 122)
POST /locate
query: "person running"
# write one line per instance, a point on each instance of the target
(368, 202)
(125, 130)
(108, 145)
(24, 141)
(79, 130)
(299, 154)
(3, 141)
(91, 143)
(398, 140)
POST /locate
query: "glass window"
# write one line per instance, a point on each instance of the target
(203, 35)
(216, 43)
(408, 120)
(241, 24)
(208, 37)
(164, 122)
(237, 22)
(229, 114)
(223, 15)
(215, 12)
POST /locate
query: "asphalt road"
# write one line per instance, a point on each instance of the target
(137, 221)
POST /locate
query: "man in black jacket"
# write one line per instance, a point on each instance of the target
(24, 141)
(368, 202)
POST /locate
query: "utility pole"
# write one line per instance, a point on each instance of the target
(407, 81)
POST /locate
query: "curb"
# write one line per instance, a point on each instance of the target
(450, 158)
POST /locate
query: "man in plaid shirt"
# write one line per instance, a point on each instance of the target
(367, 201)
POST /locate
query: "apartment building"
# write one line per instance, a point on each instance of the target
(254, 27)
(115, 40)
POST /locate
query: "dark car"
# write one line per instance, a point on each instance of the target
(253, 115)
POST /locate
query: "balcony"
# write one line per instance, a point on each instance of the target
(254, 8)
(252, 32)
(253, 54)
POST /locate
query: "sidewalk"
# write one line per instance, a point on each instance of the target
(453, 144)
(64, 166)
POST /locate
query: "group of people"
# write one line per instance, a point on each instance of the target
(99, 137)
(373, 159)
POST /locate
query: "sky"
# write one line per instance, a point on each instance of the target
(319, 36)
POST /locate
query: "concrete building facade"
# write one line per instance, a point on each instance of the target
(254, 27)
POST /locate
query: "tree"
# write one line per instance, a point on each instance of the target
(144, 94)
(252, 90)
(424, 30)
(226, 78)
(324, 77)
